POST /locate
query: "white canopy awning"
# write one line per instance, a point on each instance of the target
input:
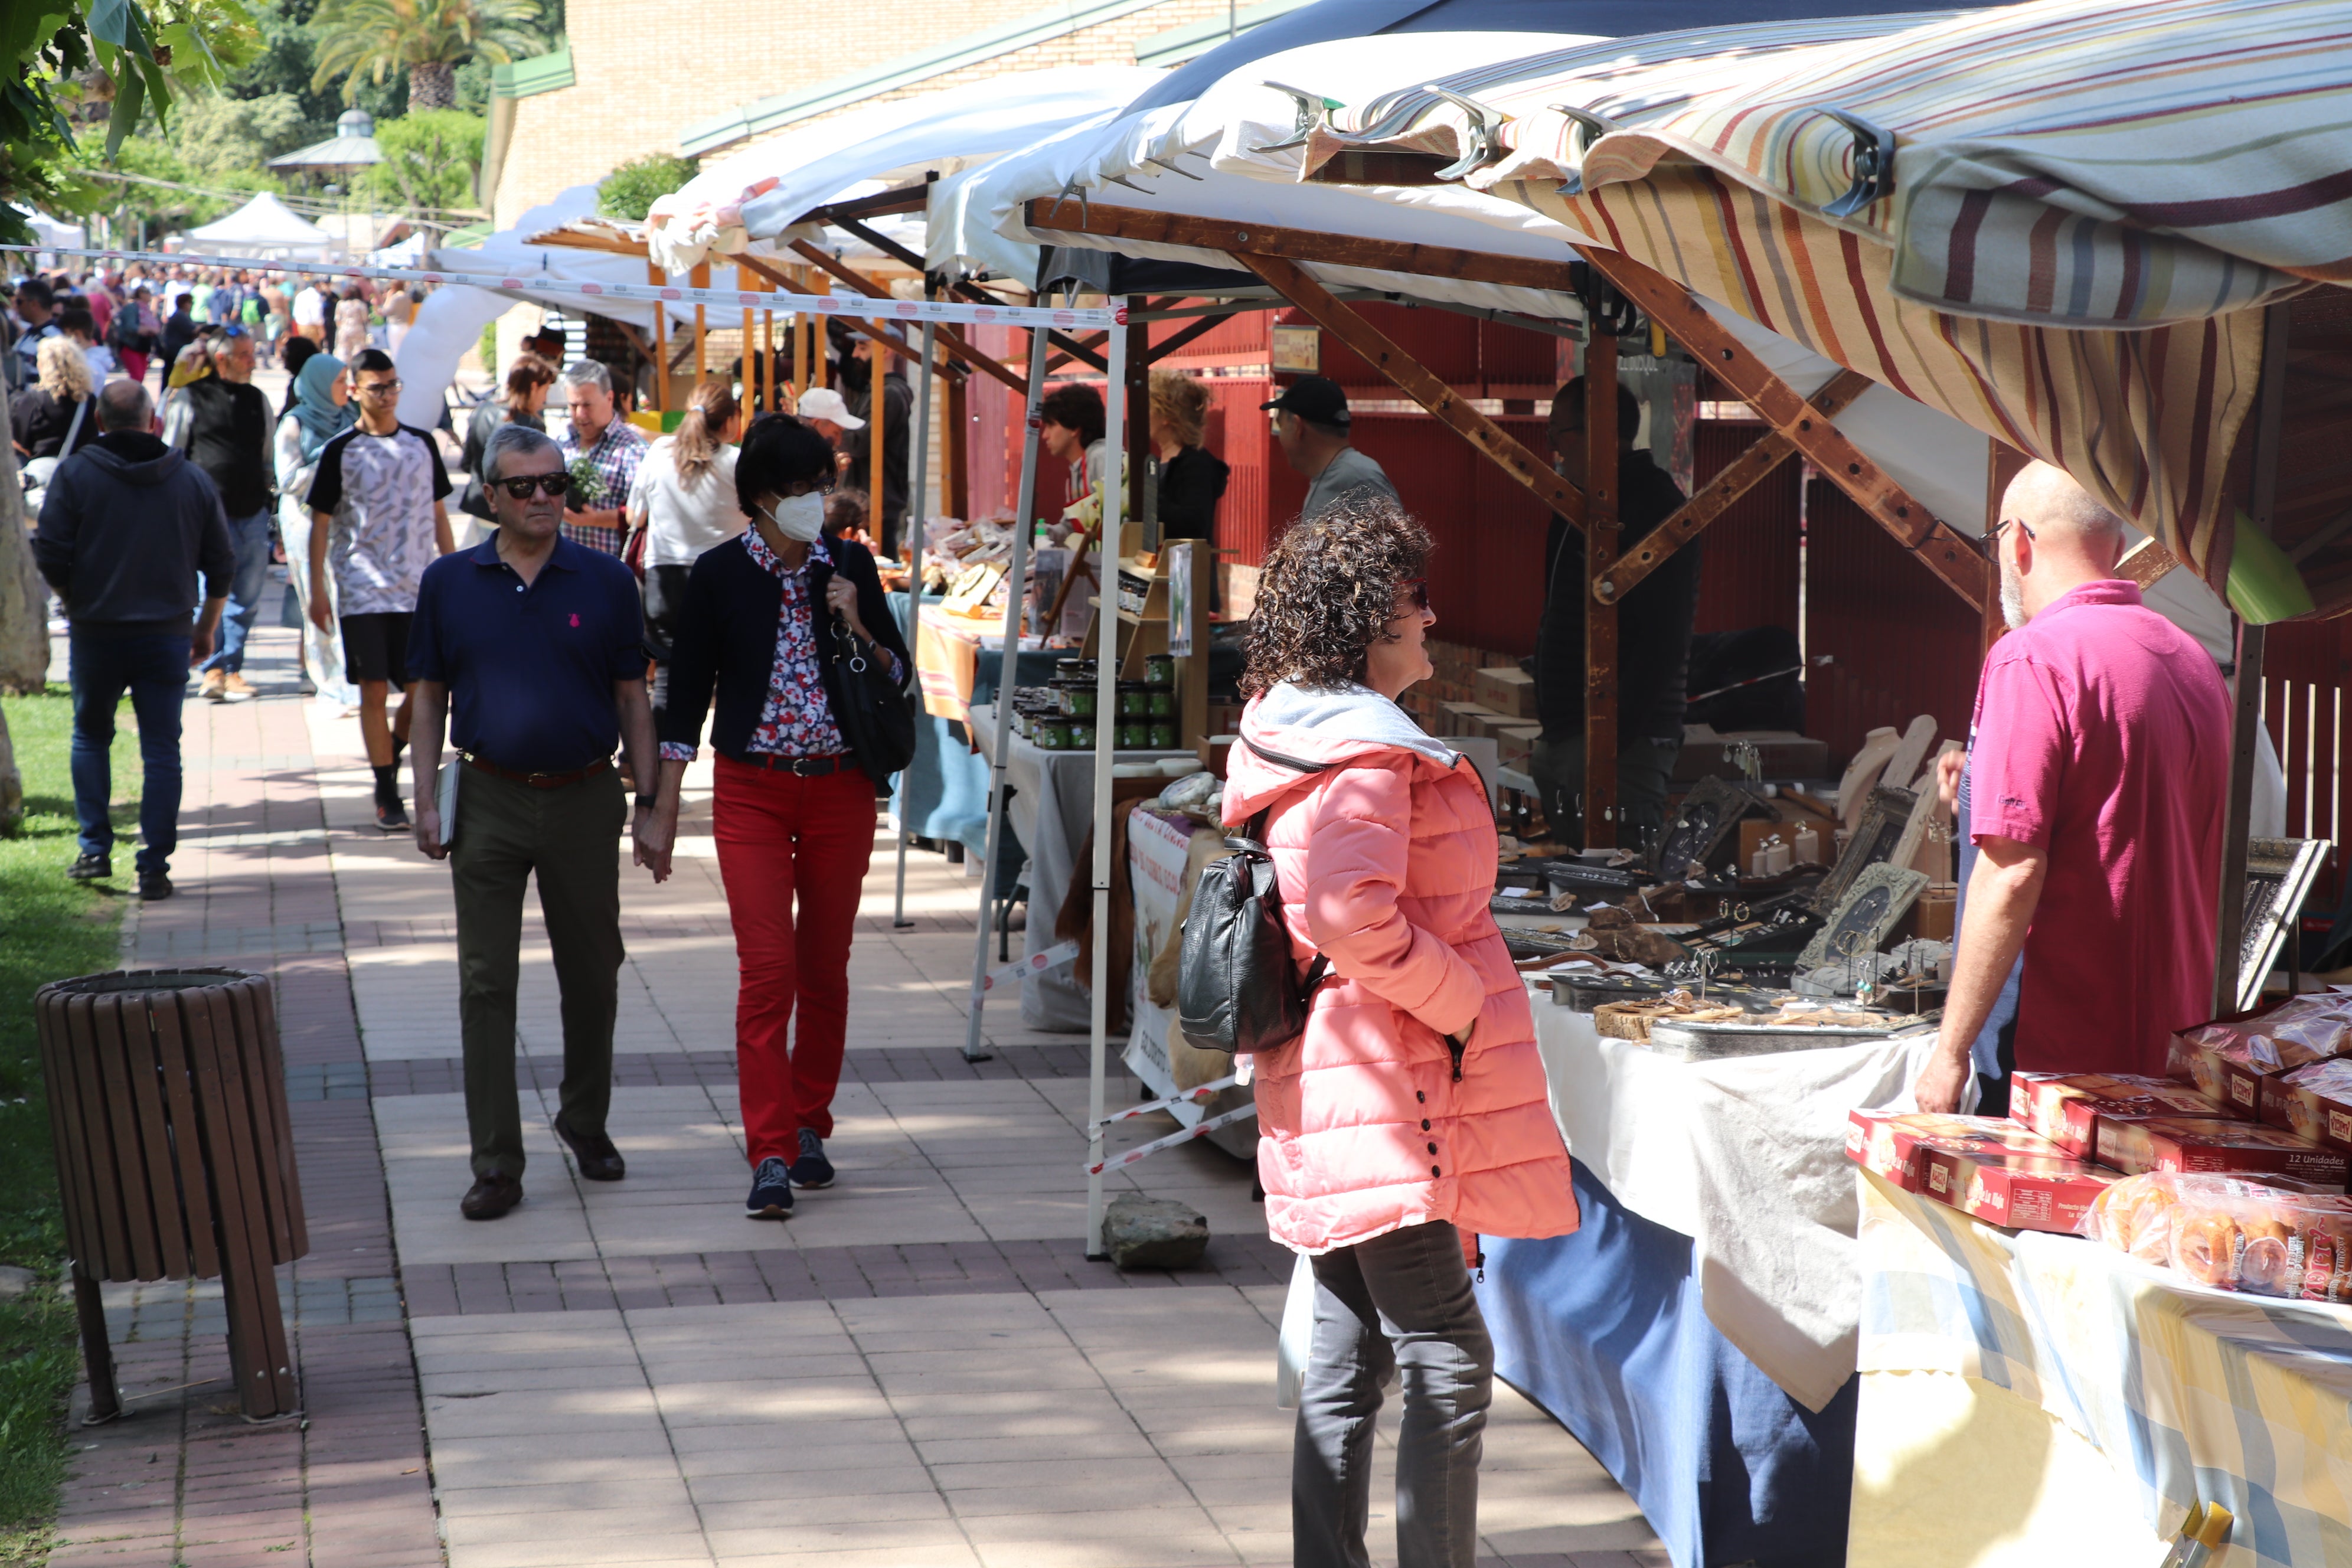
(51, 231)
(759, 193)
(264, 227)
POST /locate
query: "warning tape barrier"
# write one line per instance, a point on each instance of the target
(1193, 1096)
(1142, 1151)
(1061, 953)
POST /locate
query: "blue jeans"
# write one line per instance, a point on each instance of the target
(153, 667)
(249, 537)
(1398, 1303)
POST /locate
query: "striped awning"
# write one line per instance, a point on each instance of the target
(2078, 209)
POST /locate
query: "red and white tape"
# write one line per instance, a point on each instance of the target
(1142, 1151)
(962, 312)
(1193, 1096)
(1061, 953)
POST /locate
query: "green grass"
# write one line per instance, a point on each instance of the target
(49, 927)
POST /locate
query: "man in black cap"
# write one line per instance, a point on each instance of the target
(1311, 420)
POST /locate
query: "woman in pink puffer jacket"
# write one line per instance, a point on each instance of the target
(1411, 1117)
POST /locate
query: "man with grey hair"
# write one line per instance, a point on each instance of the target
(596, 515)
(2093, 797)
(127, 526)
(533, 647)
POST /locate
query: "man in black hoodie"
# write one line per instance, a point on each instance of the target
(128, 526)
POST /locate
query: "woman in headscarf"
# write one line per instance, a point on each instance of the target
(320, 409)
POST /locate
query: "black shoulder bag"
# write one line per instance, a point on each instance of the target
(1236, 989)
(875, 715)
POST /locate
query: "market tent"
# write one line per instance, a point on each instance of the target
(762, 191)
(263, 228)
(50, 231)
(2089, 205)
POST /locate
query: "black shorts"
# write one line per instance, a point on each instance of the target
(376, 648)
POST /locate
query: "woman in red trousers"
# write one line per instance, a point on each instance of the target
(794, 809)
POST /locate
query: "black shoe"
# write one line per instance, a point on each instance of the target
(153, 887)
(771, 1192)
(598, 1159)
(812, 1169)
(90, 868)
(491, 1197)
(391, 818)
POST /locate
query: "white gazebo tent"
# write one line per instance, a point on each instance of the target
(264, 228)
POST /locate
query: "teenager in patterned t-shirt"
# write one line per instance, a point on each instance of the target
(377, 521)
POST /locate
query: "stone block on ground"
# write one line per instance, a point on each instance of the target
(1153, 1233)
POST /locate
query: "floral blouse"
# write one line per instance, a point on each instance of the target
(797, 720)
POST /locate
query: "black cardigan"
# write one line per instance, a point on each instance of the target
(727, 638)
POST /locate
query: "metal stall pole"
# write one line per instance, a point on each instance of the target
(1106, 704)
(972, 1052)
(917, 502)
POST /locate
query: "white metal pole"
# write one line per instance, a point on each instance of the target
(1106, 734)
(917, 504)
(1014, 571)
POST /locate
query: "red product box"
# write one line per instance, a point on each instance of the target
(1888, 1144)
(2008, 1187)
(2236, 1147)
(2313, 1101)
(2066, 1108)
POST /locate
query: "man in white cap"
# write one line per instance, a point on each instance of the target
(822, 407)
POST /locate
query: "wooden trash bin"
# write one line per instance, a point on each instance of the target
(176, 1156)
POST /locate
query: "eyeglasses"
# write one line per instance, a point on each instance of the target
(520, 486)
(1418, 587)
(378, 388)
(1990, 543)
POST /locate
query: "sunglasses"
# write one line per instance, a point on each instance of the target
(1419, 588)
(1990, 543)
(520, 486)
(378, 388)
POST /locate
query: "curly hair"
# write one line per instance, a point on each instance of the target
(1328, 591)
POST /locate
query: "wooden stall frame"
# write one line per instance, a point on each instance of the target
(1601, 528)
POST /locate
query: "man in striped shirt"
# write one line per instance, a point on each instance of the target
(614, 449)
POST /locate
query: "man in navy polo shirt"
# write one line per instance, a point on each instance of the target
(533, 649)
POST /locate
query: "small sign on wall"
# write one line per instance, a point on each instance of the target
(1297, 351)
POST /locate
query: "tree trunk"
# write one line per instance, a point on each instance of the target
(23, 597)
(433, 84)
(24, 621)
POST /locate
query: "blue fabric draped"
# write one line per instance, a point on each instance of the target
(1604, 1330)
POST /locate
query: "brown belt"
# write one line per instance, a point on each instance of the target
(541, 780)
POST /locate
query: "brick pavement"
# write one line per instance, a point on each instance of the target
(987, 1396)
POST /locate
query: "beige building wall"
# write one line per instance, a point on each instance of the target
(645, 71)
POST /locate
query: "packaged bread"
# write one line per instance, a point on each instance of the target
(2065, 1107)
(2313, 1101)
(2025, 1190)
(1891, 1144)
(2227, 1060)
(2231, 1233)
(2236, 1147)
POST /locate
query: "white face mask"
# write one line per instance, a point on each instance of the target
(800, 518)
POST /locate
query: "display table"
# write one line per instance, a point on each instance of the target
(2032, 1399)
(943, 794)
(1699, 1332)
(1052, 810)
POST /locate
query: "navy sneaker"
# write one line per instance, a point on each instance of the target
(771, 1192)
(812, 1169)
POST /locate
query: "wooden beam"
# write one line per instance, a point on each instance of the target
(1082, 350)
(1946, 552)
(881, 204)
(775, 275)
(1175, 341)
(1291, 280)
(1297, 243)
(1600, 525)
(957, 346)
(2148, 563)
(1715, 498)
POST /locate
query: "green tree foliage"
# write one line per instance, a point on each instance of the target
(628, 192)
(431, 157)
(427, 39)
(74, 63)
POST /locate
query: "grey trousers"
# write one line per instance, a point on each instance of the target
(1645, 770)
(506, 831)
(1399, 1303)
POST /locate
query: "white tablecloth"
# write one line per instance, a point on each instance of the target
(1052, 807)
(1747, 1157)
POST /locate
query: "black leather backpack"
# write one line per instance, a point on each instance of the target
(1236, 986)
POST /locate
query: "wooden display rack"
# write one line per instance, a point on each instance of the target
(1146, 632)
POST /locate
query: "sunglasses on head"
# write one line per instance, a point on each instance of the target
(520, 486)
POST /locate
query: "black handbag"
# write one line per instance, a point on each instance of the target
(875, 715)
(1237, 987)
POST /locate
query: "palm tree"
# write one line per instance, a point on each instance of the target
(428, 38)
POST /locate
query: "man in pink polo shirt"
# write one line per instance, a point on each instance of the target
(2099, 771)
